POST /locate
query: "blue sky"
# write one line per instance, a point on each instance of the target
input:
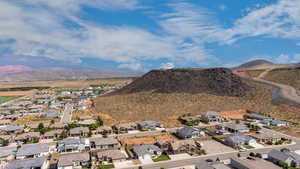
(141, 35)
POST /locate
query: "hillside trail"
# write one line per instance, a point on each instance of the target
(283, 93)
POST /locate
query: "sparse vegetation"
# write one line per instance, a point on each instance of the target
(7, 98)
(166, 108)
(285, 76)
(106, 166)
(161, 158)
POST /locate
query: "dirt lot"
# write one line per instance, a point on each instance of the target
(148, 139)
(234, 114)
(32, 119)
(17, 93)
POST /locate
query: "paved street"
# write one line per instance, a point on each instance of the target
(67, 114)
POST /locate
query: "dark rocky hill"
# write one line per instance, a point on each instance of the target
(217, 81)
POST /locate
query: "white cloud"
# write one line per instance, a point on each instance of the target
(132, 66)
(168, 65)
(298, 44)
(38, 26)
(190, 21)
(75, 5)
(40, 31)
(283, 58)
(222, 7)
(281, 19)
(296, 58)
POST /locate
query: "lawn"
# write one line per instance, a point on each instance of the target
(106, 166)
(249, 147)
(7, 98)
(162, 158)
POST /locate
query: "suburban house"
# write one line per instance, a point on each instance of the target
(146, 151)
(87, 122)
(51, 115)
(5, 122)
(212, 116)
(27, 137)
(111, 156)
(183, 146)
(53, 134)
(251, 163)
(79, 132)
(291, 158)
(270, 122)
(125, 127)
(58, 125)
(36, 126)
(102, 130)
(72, 145)
(104, 143)
(266, 137)
(163, 144)
(33, 151)
(6, 137)
(257, 116)
(190, 119)
(148, 125)
(233, 128)
(12, 129)
(189, 132)
(239, 140)
(35, 163)
(7, 153)
(74, 161)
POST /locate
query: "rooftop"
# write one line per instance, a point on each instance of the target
(113, 154)
(255, 163)
(27, 164)
(145, 149)
(31, 149)
(104, 141)
(69, 159)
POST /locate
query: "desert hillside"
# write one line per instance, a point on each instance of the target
(216, 81)
(285, 76)
(255, 65)
(134, 103)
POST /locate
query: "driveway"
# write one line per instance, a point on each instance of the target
(214, 147)
(179, 156)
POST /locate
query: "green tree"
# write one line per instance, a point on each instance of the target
(258, 155)
(40, 126)
(283, 165)
(99, 121)
(284, 149)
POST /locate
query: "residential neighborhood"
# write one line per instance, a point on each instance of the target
(86, 142)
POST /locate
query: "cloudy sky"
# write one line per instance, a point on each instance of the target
(146, 34)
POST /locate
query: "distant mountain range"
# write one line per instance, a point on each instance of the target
(261, 64)
(10, 69)
(19, 73)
